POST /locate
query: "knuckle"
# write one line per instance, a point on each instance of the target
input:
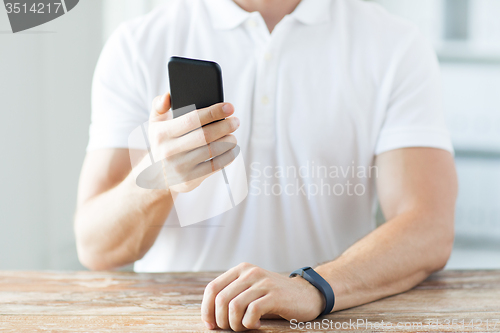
(267, 283)
(220, 300)
(211, 113)
(255, 271)
(245, 265)
(234, 306)
(211, 288)
(189, 121)
(253, 308)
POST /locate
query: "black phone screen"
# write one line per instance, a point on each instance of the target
(193, 81)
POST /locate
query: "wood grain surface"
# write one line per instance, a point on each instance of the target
(449, 301)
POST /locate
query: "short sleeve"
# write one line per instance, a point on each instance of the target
(414, 115)
(119, 98)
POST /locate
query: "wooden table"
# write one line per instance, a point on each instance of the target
(122, 302)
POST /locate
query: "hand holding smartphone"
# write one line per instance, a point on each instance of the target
(190, 156)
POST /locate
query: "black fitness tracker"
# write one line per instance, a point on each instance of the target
(316, 280)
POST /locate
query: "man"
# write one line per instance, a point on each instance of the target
(332, 102)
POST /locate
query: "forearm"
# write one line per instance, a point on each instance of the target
(392, 259)
(119, 226)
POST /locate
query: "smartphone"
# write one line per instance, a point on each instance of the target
(194, 81)
(197, 82)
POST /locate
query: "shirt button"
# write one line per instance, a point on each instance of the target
(252, 23)
(268, 56)
(265, 100)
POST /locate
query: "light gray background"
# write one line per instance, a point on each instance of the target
(45, 85)
(45, 81)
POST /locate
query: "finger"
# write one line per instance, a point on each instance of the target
(196, 119)
(201, 136)
(211, 150)
(211, 291)
(215, 112)
(202, 170)
(223, 299)
(220, 129)
(181, 169)
(238, 305)
(185, 162)
(255, 310)
(182, 125)
(206, 168)
(160, 108)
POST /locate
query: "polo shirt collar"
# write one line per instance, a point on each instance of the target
(312, 12)
(226, 14)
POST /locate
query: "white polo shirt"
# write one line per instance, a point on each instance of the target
(336, 83)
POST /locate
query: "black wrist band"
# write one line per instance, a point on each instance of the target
(316, 280)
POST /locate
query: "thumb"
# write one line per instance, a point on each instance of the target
(160, 109)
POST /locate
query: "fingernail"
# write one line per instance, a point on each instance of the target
(227, 108)
(209, 326)
(237, 121)
(257, 326)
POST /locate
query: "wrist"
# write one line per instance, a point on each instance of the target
(340, 280)
(320, 284)
(316, 298)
